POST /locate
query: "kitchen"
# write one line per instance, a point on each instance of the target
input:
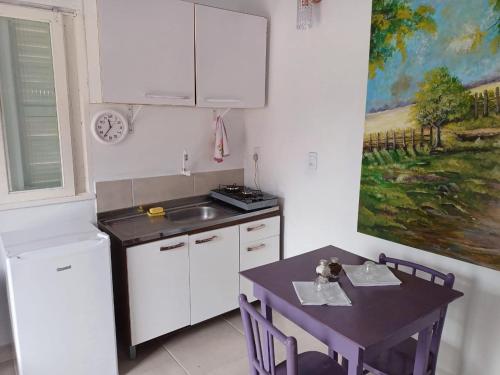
(306, 88)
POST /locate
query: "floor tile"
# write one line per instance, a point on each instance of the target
(306, 342)
(234, 319)
(152, 359)
(7, 368)
(213, 347)
(6, 353)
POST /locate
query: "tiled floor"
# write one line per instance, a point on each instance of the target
(216, 347)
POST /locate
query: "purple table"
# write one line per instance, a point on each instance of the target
(379, 318)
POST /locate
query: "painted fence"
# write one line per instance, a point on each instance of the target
(486, 102)
(483, 105)
(399, 139)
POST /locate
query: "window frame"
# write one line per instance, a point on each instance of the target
(55, 21)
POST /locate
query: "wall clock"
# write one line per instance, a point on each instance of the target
(109, 127)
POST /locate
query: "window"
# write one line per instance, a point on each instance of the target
(35, 140)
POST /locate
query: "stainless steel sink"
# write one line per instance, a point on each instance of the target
(198, 213)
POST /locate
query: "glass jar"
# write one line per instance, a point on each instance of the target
(369, 266)
(322, 274)
(335, 268)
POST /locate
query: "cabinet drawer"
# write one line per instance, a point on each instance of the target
(258, 253)
(255, 254)
(259, 229)
(158, 284)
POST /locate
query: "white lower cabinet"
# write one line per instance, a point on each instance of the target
(259, 245)
(214, 265)
(185, 280)
(158, 286)
(256, 254)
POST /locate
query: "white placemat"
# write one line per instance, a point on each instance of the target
(331, 294)
(378, 275)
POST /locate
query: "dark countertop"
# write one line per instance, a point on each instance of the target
(132, 226)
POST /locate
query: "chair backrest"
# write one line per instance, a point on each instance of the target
(448, 281)
(260, 335)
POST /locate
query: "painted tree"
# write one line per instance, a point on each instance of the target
(393, 22)
(441, 98)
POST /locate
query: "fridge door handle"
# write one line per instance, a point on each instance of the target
(65, 268)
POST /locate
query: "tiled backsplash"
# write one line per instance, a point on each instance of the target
(113, 195)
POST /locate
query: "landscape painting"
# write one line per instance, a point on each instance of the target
(431, 153)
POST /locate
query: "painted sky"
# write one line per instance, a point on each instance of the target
(457, 20)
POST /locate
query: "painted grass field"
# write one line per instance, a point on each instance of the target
(447, 200)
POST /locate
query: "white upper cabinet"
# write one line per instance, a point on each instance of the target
(146, 52)
(230, 58)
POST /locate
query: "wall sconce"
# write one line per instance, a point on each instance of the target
(304, 13)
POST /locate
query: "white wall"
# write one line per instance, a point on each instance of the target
(161, 133)
(317, 89)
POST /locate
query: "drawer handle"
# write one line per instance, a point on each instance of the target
(257, 247)
(257, 227)
(172, 247)
(198, 242)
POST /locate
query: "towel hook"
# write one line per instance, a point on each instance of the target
(222, 115)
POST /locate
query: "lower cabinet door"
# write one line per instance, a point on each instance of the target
(214, 266)
(256, 254)
(158, 285)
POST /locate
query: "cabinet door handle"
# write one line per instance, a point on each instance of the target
(165, 96)
(213, 100)
(198, 242)
(257, 227)
(257, 247)
(172, 247)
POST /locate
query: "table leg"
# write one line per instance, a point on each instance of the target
(267, 312)
(355, 362)
(422, 355)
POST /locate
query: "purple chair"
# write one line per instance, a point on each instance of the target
(400, 359)
(257, 327)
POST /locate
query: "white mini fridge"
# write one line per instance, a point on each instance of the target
(61, 300)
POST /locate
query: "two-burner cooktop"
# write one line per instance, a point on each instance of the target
(243, 197)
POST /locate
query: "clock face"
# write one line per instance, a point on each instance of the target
(109, 127)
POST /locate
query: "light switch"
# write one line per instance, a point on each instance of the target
(313, 161)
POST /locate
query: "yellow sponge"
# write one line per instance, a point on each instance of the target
(156, 211)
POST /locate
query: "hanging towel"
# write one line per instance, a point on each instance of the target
(221, 143)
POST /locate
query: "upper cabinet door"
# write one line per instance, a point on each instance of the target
(147, 51)
(230, 58)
